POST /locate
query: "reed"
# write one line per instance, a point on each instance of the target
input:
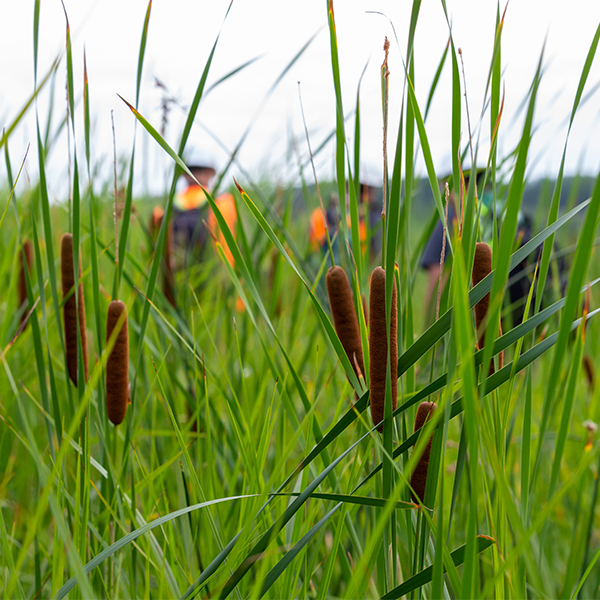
(344, 317)
(117, 365)
(418, 480)
(378, 347)
(482, 267)
(22, 299)
(71, 308)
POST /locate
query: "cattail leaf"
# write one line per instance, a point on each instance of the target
(555, 202)
(443, 324)
(261, 545)
(7, 131)
(578, 272)
(351, 499)
(492, 382)
(420, 579)
(130, 537)
(261, 107)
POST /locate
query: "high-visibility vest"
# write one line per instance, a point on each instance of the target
(192, 197)
(226, 205)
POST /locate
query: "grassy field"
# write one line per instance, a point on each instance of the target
(248, 464)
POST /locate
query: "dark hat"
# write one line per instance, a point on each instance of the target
(200, 167)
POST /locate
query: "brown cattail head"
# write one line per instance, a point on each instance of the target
(117, 365)
(344, 317)
(418, 480)
(588, 369)
(70, 309)
(378, 349)
(156, 220)
(169, 280)
(28, 250)
(482, 267)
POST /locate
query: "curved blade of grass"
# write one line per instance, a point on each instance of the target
(8, 130)
(177, 171)
(280, 567)
(578, 272)
(126, 539)
(555, 202)
(509, 224)
(261, 107)
(350, 499)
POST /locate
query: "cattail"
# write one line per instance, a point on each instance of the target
(378, 349)
(156, 220)
(482, 267)
(418, 480)
(168, 280)
(70, 309)
(27, 248)
(588, 369)
(344, 317)
(117, 365)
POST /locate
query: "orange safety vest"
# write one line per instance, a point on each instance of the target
(192, 197)
(226, 205)
(317, 229)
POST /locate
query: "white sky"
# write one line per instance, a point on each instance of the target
(182, 32)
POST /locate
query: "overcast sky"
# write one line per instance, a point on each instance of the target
(181, 33)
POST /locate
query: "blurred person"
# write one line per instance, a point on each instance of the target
(191, 211)
(518, 281)
(191, 207)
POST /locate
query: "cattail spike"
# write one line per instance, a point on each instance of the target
(418, 480)
(70, 309)
(482, 267)
(344, 317)
(588, 369)
(378, 350)
(28, 249)
(117, 365)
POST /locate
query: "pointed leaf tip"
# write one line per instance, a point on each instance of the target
(238, 186)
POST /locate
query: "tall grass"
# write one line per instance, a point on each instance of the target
(247, 464)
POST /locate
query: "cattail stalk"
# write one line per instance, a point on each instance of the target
(71, 308)
(418, 480)
(117, 365)
(482, 267)
(378, 347)
(28, 250)
(344, 317)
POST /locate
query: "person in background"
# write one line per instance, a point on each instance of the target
(191, 210)
(519, 282)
